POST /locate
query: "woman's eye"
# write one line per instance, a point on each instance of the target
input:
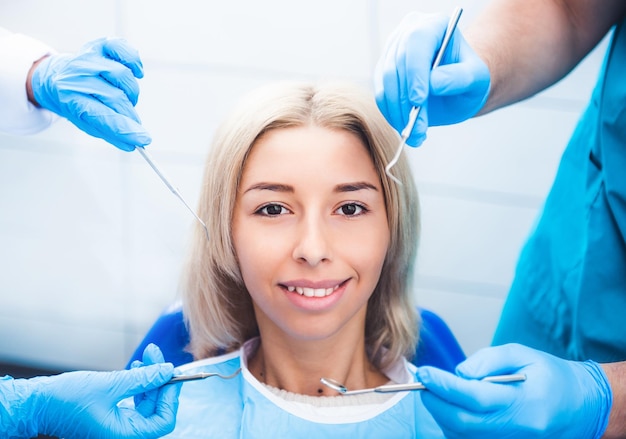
(351, 209)
(272, 210)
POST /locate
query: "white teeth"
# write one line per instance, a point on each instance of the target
(312, 292)
(308, 292)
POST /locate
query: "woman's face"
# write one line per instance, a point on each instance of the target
(310, 231)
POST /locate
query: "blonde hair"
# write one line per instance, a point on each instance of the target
(216, 304)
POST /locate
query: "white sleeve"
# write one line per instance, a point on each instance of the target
(17, 114)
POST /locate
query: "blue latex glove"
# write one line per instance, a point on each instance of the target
(559, 399)
(84, 404)
(147, 403)
(96, 90)
(451, 93)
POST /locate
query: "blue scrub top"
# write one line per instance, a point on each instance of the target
(569, 292)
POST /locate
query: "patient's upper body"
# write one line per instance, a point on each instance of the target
(311, 254)
(245, 407)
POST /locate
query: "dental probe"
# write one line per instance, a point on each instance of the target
(171, 187)
(335, 385)
(201, 376)
(415, 111)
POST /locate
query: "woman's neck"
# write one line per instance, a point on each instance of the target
(298, 365)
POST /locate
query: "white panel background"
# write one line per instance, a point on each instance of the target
(91, 242)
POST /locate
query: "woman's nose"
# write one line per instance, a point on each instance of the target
(313, 244)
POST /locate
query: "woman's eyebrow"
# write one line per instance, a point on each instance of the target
(279, 187)
(276, 187)
(352, 187)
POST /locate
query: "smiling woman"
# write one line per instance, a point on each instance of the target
(322, 247)
(308, 273)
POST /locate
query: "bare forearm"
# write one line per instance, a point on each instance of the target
(531, 44)
(616, 373)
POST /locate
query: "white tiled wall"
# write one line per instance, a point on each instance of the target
(91, 242)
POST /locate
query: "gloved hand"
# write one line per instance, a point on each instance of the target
(84, 404)
(147, 403)
(450, 93)
(559, 399)
(96, 90)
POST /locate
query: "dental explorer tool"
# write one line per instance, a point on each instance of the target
(415, 111)
(335, 385)
(201, 376)
(171, 187)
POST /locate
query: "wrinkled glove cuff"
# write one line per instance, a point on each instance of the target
(41, 84)
(18, 416)
(604, 396)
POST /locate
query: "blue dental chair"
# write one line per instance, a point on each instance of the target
(437, 345)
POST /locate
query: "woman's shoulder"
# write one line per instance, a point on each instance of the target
(210, 407)
(222, 364)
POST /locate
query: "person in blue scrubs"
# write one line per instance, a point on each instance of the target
(307, 274)
(568, 297)
(96, 89)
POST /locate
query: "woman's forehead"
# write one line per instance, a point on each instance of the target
(309, 148)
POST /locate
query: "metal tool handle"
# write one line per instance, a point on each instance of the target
(400, 387)
(170, 186)
(419, 386)
(203, 375)
(183, 378)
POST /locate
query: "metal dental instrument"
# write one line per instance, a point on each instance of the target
(201, 376)
(412, 386)
(171, 187)
(415, 111)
